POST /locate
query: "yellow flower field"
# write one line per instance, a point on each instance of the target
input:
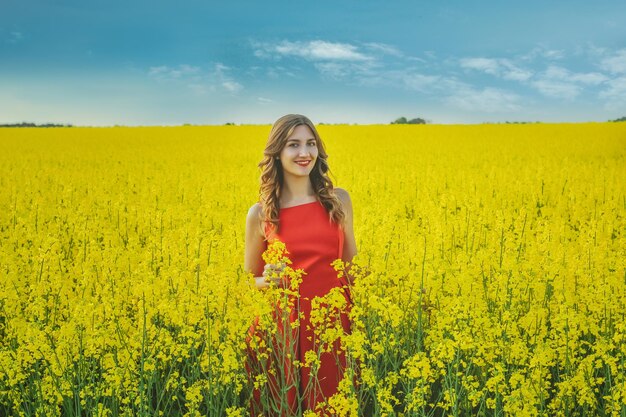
(496, 285)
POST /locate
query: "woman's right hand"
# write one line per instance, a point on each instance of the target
(272, 273)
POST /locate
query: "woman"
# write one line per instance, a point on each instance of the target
(299, 206)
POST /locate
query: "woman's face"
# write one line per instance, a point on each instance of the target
(299, 148)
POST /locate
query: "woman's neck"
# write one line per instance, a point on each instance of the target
(297, 189)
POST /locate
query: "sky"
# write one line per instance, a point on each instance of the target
(154, 62)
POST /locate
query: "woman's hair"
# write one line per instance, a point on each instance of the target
(272, 173)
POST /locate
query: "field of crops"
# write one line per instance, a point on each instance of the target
(496, 258)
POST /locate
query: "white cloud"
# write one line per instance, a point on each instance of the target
(375, 64)
(555, 81)
(164, 72)
(616, 63)
(488, 100)
(157, 71)
(555, 72)
(409, 79)
(221, 67)
(591, 78)
(355, 70)
(512, 72)
(563, 74)
(384, 48)
(416, 59)
(490, 66)
(197, 80)
(15, 37)
(559, 82)
(316, 50)
(498, 67)
(556, 89)
(553, 54)
(334, 70)
(276, 72)
(594, 51)
(543, 52)
(615, 93)
(221, 78)
(264, 100)
(232, 86)
(421, 82)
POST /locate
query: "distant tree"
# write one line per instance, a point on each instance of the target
(29, 124)
(621, 119)
(399, 121)
(229, 124)
(403, 121)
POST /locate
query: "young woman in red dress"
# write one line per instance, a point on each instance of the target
(299, 206)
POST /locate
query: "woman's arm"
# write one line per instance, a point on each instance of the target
(254, 247)
(349, 245)
(254, 250)
(349, 248)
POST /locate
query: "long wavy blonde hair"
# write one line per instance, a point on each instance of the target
(272, 174)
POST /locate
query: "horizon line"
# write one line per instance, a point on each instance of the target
(69, 125)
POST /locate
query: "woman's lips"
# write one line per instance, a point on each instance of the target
(303, 163)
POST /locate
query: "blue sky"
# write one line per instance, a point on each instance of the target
(139, 62)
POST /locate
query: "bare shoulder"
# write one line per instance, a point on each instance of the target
(343, 195)
(254, 216)
(254, 211)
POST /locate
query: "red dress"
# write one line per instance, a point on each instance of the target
(313, 243)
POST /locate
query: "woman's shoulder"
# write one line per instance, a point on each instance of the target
(342, 194)
(254, 212)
